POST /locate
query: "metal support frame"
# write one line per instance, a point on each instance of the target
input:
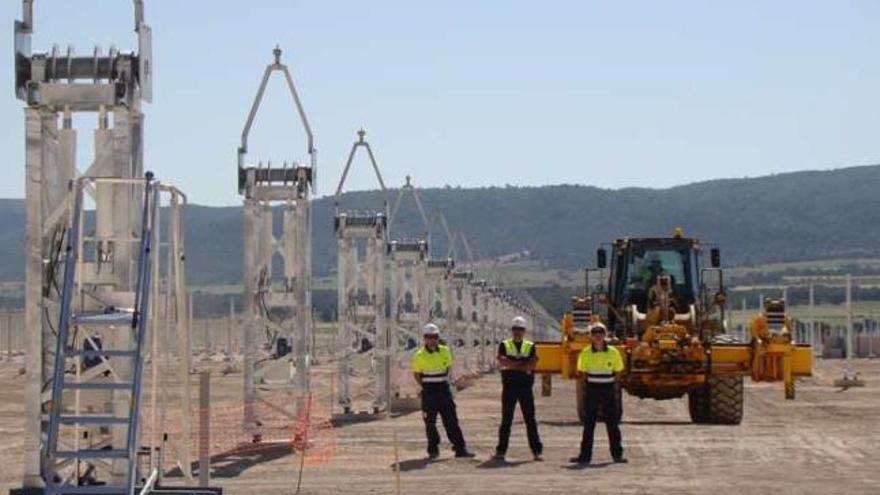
(276, 308)
(458, 298)
(409, 309)
(437, 218)
(458, 320)
(82, 83)
(362, 240)
(172, 314)
(439, 294)
(409, 301)
(57, 86)
(101, 335)
(484, 349)
(487, 333)
(409, 189)
(493, 321)
(438, 271)
(107, 360)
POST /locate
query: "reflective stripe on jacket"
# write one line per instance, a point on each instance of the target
(600, 366)
(524, 351)
(433, 365)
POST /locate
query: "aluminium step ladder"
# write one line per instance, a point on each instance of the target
(121, 452)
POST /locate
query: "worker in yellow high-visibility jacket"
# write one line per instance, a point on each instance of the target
(517, 359)
(600, 365)
(431, 365)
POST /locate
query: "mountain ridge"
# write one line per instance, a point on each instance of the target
(791, 216)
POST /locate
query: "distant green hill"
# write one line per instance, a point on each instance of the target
(11, 239)
(786, 217)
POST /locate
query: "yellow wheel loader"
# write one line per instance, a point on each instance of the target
(665, 312)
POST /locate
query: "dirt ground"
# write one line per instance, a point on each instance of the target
(826, 441)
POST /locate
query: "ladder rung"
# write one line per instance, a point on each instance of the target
(93, 420)
(117, 318)
(87, 490)
(92, 454)
(96, 386)
(91, 353)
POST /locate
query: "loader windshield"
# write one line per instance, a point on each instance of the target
(645, 267)
(646, 263)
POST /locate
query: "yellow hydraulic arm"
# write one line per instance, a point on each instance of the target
(770, 356)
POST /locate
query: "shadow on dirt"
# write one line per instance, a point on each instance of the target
(592, 465)
(234, 463)
(564, 424)
(654, 422)
(415, 464)
(499, 463)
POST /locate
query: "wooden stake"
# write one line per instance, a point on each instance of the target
(396, 463)
(332, 391)
(302, 457)
(204, 429)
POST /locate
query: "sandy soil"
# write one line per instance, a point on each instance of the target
(826, 441)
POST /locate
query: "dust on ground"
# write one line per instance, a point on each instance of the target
(825, 441)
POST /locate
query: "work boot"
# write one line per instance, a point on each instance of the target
(433, 454)
(620, 460)
(581, 459)
(538, 457)
(464, 454)
(499, 456)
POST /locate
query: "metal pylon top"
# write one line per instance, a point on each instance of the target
(408, 188)
(136, 73)
(276, 65)
(451, 239)
(361, 142)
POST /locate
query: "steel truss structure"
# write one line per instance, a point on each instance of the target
(277, 310)
(408, 305)
(461, 317)
(106, 330)
(362, 249)
(56, 88)
(409, 308)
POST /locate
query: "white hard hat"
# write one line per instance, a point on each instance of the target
(518, 322)
(430, 329)
(598, 326)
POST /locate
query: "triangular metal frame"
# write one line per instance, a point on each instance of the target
(361, 143)
(414, 193)
(277, 66)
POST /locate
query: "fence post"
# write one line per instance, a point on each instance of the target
(204, 429)
(9, 336)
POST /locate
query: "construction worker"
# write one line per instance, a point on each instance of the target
(661, 296)
(516, 357)
(651, 267)
(431, 366)
(600, 365)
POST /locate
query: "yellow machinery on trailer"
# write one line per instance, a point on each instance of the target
(665, 313)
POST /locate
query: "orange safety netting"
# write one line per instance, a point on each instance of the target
(280, 431)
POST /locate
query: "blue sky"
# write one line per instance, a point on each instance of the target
(613, 94)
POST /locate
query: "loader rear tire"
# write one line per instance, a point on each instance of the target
(718, 402)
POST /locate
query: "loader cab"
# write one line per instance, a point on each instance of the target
(635, 266)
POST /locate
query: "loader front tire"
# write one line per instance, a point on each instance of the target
(719, 401)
